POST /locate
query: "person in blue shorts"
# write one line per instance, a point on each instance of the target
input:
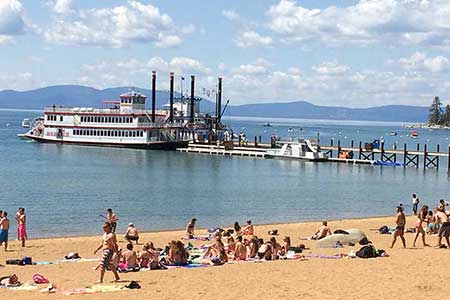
(4, 228)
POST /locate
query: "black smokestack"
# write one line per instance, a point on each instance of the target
(171, 97)
(219, 100)
(192, 98)
(153, 96)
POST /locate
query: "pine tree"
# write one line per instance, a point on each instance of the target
(434, 117)
(445, 118)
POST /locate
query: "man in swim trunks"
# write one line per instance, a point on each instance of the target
(400, 222)
(21, 227)
(112, 219)
(322, 232)
(109, 247)
(190, 228)
(442, 205)
(132, 234)
(444, 231)
(4, 228)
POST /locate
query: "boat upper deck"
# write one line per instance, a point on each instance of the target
(100, 111)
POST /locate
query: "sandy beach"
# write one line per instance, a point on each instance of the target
(405, 274)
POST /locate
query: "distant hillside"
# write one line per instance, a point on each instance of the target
(302, 109)
(74, 95)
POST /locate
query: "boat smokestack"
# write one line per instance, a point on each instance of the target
(153, 96)
(219, 100)
(192, 98)
(171, 97)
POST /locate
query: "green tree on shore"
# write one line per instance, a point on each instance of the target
(445, 117)
(434, 117)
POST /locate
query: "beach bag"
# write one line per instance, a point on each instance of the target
(273, 232)
(133, 285)
(72, 255)
(366, 252)
(27, 260)
(39, 279)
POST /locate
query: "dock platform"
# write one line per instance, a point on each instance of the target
(221, 150)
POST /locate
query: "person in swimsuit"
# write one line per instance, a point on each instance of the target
(444, 231)
(248, 230)
(322, 232)
(421, 217)
(109, 247)
(400, 222)
(240, 252)
(415, 202)
(190, 228)
(21, 225)
(112, 219)
(132, 234)
(4, 228)
(129, 258)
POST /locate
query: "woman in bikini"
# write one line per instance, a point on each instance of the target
(421, 217)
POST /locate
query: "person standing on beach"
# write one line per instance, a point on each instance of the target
(444, 230)
(190, 228)
(109, 247)
(415, 201)
(442, 205)
(112, 219)
(21, 225)
(421, 217)
(400, 221)
(4, 228)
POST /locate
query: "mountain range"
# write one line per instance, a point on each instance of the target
(82, 96)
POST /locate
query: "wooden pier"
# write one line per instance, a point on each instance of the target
(222, 150)
(420, 156)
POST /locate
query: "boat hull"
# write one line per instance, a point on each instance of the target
(157, 145)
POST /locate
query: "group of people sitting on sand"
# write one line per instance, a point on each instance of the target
(5, 223)
(436, 221)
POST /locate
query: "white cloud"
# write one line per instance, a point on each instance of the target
(117, 27)
(231, 15)
(11, 18)
(393, 22)
(17, 81)
(330, 68)
(251, 38)
(63, 6)
(420, 61)
(6, 39)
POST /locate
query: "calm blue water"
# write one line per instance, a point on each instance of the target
(66, 188)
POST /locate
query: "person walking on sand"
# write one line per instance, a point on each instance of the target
(4, 228)
(21, 225)
(112, 218)
(400, 222)
(421, 217)
(109, 247)
(415, 202)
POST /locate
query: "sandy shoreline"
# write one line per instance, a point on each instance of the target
(400, 276)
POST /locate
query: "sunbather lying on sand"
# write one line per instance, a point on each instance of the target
(9, 281)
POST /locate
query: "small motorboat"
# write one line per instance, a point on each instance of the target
(301, 149)
(415, 135)
(393, 133)
(267, 125)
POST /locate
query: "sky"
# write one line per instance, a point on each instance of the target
(354, 53)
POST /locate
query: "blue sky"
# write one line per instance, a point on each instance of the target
(351, 53)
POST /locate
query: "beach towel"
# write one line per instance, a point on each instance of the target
(100, 288)
(189, 266)
(22, 287)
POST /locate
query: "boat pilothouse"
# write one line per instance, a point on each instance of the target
(126, 123)
(300, 149)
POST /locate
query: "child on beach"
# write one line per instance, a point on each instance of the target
(4, 228)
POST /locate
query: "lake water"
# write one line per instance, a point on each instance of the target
(65, 188)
